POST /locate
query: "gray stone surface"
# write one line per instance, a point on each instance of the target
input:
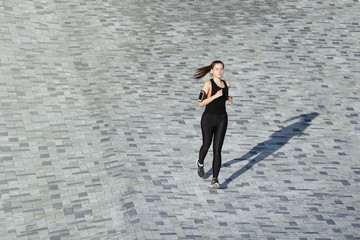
(99, 124)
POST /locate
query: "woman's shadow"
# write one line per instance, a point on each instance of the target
(277, 140)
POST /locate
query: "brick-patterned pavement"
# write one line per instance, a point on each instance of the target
(100, 128)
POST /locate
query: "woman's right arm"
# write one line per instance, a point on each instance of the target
(206, 88)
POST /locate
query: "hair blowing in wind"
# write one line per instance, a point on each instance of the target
(201, 72)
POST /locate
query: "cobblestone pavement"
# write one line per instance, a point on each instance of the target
(99, 123)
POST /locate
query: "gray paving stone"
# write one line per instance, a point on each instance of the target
(100, 129)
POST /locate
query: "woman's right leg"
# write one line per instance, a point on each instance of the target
(207, 130)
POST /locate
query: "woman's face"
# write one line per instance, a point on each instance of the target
(218, 70)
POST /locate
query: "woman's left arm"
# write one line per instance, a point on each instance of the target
(230, 99)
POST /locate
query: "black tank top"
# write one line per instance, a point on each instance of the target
(217, 106)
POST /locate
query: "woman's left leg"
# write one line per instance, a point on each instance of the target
(218, 141)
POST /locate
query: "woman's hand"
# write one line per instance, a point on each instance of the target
(230, 100)
(218, 93)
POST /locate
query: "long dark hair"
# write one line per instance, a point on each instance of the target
(201, 72)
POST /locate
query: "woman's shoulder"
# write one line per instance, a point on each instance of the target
(207, 85)
(227, 83)
(208, 82)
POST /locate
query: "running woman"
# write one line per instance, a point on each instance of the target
(213, 95)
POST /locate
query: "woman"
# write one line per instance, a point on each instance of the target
(213, 95)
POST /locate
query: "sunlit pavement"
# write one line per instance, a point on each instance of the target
(100, 128)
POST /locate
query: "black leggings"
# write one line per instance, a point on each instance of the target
(213, 125)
